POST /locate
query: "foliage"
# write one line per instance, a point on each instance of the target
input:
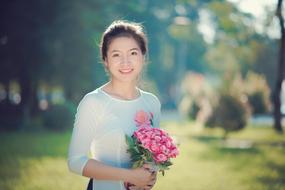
(59, 117)
(8, 121)
(252, 88)
(258, 93)
(63, 50)
(258, 103)
(198, 96)
(230, 113)
(194, 109)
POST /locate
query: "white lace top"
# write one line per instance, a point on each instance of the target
(100, 126)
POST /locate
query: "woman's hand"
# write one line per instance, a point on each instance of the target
(153, 173)
(150, 182)
(141, 177)
(147, 187)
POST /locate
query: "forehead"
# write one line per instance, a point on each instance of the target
(123, 44)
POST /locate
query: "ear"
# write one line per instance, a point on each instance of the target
(144, 59)
(106, 64)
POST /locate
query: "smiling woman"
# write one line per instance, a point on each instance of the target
(106, 115)
(124, 60)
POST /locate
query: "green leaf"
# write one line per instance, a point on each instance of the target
(130, 141)
(136, 149)
(138, 164)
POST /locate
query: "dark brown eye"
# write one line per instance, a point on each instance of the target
(115, 55)
(134, 53)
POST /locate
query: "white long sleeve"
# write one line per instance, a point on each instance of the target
(100, 128)
(82, 135)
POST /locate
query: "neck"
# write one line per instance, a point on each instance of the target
(121, 90)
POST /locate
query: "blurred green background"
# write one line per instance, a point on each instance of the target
(213, 65)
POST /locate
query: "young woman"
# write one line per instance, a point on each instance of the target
(105, 115)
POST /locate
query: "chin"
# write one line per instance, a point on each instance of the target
(128, 80)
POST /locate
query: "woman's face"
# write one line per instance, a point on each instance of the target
(124, 59)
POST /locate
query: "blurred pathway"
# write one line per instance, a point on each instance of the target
(264, 120)
(173, 115)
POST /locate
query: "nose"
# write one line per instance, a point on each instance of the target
(125, 60)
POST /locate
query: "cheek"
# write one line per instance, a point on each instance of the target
(139, 65)
(138, 60)
(114, 60)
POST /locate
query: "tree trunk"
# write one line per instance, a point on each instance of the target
(25, 84)
(225, 136)
(280, 72)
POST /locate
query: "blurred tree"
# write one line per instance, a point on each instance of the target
(231, 114)
(55, 43)
(71, 50)
(280, 71)
(21, 26)
(49, 42)
(234, 39)
(257, 90)
(265, 51)
(238, 48)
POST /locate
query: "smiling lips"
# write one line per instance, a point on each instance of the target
(125, 71)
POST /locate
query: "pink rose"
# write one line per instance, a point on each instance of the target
(154, 148)
(157, 138)
(142, 119)
(168, 144)
(160, 158)
(145, 140)
(174, 152)
(164, 149)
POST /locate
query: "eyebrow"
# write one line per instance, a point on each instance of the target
(134, 49)
(128, 50)
(115, 51)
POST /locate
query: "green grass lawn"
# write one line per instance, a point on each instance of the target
(37, 161)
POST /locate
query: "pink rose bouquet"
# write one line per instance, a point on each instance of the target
(150, 145)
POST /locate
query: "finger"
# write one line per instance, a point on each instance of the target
(147, 167)
(134, 188)
(153, 176)
(151, 183)
(151, 180)
(147, 188)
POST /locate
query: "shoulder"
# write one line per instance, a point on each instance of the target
(93, 98)
(150, 97)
